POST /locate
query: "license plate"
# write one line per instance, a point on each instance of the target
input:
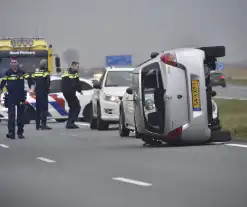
(196, 103)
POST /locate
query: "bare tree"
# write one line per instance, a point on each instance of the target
(71, 55)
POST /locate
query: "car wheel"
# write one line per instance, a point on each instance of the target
(87, 113)
(101, 125)
(150, 141)
(93, 121)
(123, 131)
(29, 112)
(224, 85)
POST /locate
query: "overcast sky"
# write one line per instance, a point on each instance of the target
(97, 28)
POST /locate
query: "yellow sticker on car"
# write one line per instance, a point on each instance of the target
(196, 103)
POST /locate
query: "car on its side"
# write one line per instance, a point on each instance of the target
(169, 100)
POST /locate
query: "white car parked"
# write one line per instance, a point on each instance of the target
(107, 96)
(58, 107)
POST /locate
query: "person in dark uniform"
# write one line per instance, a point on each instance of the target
(71, 84)
(42, 85)
(16, 96)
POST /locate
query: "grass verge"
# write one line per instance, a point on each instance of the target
(233, 116)
(240, 82)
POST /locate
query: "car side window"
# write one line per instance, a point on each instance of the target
(56, 86)
(85, 86)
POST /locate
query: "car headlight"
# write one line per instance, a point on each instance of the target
(111, 98)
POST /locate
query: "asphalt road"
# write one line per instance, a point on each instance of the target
(62, 168)
(232, 91)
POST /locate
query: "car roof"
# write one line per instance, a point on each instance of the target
(119, 69)
(58, 77)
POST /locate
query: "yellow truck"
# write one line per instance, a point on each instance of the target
(29, 52)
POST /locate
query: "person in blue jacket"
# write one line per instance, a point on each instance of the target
(16, 95)
(42, 86)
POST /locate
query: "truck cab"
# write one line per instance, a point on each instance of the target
(170, 97)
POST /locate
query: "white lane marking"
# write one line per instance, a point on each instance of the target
(45, 160)
(237, 145)
(4, 146)
(135, 182)
(82, 124)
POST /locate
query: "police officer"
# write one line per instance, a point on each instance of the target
(16, 96)
(71, 84)
(42, 85)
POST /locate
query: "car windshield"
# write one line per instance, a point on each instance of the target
(118, 78)
(28, 64)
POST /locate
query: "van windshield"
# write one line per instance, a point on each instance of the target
(118, 79)
(28, 64)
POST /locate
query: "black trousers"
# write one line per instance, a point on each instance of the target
(74, 107)
(41, 109)
(20, 118)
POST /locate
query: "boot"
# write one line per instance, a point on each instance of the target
(45, 127)
(10, 136)
(21, 136)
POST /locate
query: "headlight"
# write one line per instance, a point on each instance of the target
(19, 42)
(30, 42)
(25, 43)
(111, 98)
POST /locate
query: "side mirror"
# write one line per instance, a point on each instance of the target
(96, 85)
(129, 91)
(58, 70)
(58, 65)
(57, 62)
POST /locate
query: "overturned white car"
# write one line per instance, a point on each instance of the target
(171, 99)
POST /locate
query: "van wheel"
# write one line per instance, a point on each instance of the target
(151, 141)
(123, 131)
(93, 121)
(29, 114)
(101, 125)
(137, 134)
(87, 113)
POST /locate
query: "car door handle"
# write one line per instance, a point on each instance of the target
(179, 96)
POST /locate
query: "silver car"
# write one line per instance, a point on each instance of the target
(168, 101)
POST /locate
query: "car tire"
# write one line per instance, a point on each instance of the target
(123, 131)
(87, 113)
(29, 112)
(150, 141)
(101, 125)
(224, 85)
(214, 51)
(93, 121)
